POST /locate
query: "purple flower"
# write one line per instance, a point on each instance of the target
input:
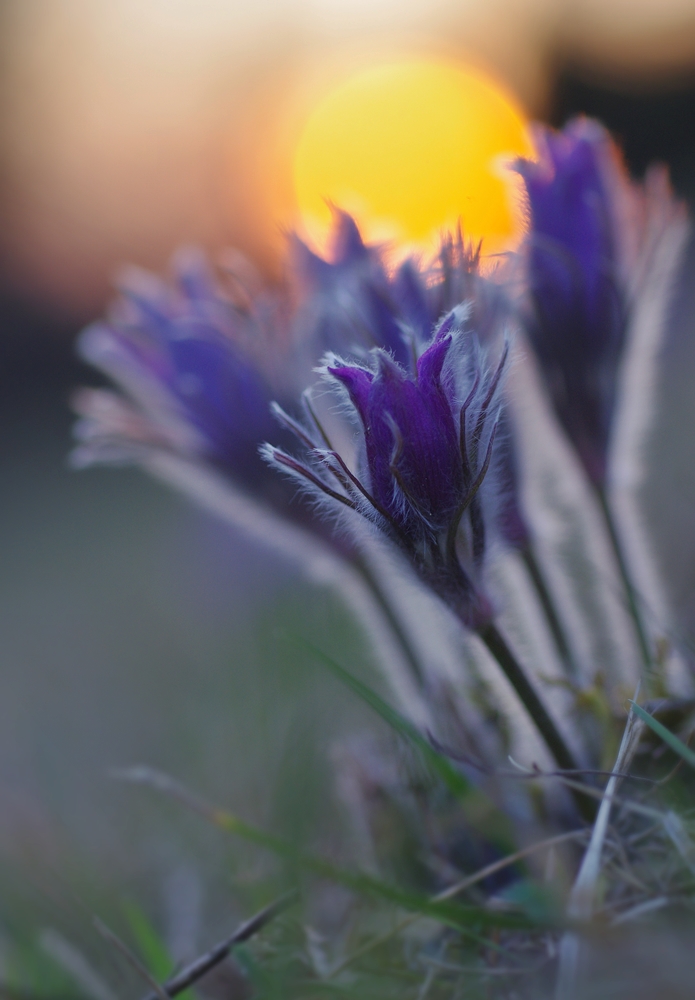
(579, 316)
(349, 301)
(188, 358)
(198, 359)
(353, 304)
(427, 442)
(411, 440)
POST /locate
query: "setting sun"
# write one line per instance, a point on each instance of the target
(410, 148)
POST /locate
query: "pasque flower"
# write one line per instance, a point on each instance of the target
(579, 306)
(350, 301)
(426, 477)
(191, 356)
(427, 446)
(354, 300)
(594, 238)
(198, 361)
(199, 357)
(355, 304)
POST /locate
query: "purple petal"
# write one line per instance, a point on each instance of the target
(411, 294)
(579, 309)
(358, 382)
(346, 242)
(411, 431)
(429, 366)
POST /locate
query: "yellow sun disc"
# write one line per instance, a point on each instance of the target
(410, 148)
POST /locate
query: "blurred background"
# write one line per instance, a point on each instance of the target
(133, 628)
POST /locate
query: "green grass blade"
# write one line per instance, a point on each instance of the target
(456, 782)
(678, 746)
(451, 913)
(150, 945)
(481, 813)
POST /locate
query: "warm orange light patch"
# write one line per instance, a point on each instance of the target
(409, 148)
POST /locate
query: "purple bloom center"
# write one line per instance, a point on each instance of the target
(411, 439)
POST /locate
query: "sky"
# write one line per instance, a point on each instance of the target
(131, 126)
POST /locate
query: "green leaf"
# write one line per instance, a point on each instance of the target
(449, 913)
(456, 782)
(678, 746)
(30, 970)
(151, 947)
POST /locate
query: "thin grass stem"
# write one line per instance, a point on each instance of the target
(392, 619)
(454, 890)
(190, 974)
(630, 592)
(549, 610)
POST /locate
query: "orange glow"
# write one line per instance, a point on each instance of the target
(410, 148)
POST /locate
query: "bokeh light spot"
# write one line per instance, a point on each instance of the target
(409, 148)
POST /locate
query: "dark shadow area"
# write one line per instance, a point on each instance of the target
(39, 369)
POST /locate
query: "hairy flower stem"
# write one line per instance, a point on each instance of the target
(497, 645)
(514, 673)
(630, 592)
(551, 616)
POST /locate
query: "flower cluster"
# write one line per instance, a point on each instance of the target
(382, 394)
(199, 361)
(209, 367)
(355, 305)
